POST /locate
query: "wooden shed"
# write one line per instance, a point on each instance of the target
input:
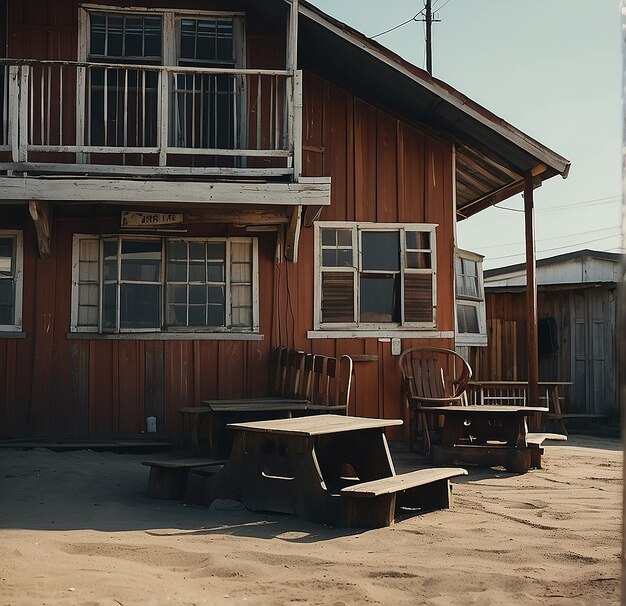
(577, 327)
(186, 185)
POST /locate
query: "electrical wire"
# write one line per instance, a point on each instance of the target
(545, 250)
(413, 18)
(593, 231)
(591, 202)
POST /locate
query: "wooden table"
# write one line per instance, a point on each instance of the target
(301, 465)
(485, 435)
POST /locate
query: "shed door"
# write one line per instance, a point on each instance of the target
(593, 391)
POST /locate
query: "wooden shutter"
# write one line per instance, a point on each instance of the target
(337, 297)
(418, 297)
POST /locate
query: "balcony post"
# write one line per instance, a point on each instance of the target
(294, 101)
(163, 116)
(14, 111)
(23, 119)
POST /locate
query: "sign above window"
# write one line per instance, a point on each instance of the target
(139, 219)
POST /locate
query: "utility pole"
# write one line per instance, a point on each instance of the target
(429, 42)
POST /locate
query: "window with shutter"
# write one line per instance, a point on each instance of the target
(375, 275)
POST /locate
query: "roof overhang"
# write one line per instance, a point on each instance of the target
(492, 157)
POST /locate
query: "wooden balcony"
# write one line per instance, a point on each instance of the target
(148, 121)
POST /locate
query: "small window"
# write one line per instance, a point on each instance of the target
(11, 252)
(372, 276)
(125, 284)
(470, 300)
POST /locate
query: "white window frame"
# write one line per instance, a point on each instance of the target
(466, 339)
(165, 330)
(374, 328)
(17, 279)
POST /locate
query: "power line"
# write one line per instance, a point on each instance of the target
(591, 202)
(593, 231)
(545, 250)
(395, 27)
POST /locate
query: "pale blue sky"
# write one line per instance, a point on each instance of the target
(552, 68)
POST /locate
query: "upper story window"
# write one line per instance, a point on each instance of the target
(205, 109)
(135, 284)
(372, 276)
(470, 300)
(11, 256)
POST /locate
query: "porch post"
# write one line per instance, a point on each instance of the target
(532, 343)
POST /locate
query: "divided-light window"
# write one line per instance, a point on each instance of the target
(373, 276)
(470, 300)
(135, 284)
(11, 256)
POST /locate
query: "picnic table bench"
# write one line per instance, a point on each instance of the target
(300, 383)
(168, 479)
(325, 468)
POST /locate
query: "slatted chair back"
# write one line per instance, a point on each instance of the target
(431, 376)
(433, 373)
(294, 374)
(278, 371)
(330, 381)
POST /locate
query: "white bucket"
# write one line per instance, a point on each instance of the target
(151, 424)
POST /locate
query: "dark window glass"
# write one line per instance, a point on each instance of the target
(379, 298)
(381, 251)
(109, 306)
(418, 240)
(467, 316)
(140, 306)
(7, 302)
(141, 261)
(6, 257)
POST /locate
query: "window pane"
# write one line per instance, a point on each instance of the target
(418, 240)
(177, 315)
(177, 271)
(133, 37)
(152, 37)
(177, 294)
(110, 260)
(7, 302)
(197, 271)
(197, 295)
(140, 306)
(98, 31)
(216, 251)
(216, 272)
(216, 316)
(380, 299)
(109, 305)
(467, 319)
(418, 260)
(329, 237)
(6, 257)
(241, 273)
(114, 37)
(141, 260)
(381, 251)
(177, 251)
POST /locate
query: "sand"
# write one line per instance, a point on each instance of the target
(77, 528)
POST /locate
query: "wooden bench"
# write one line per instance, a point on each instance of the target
(374, 504)
(168, 479)
(300, 383)
(536, 440)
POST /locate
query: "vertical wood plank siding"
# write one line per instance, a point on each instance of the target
(382, 169)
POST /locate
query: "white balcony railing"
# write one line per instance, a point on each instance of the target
(99, 117)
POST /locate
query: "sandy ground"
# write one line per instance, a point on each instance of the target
(77, 528)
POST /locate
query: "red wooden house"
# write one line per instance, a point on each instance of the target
(185, 185)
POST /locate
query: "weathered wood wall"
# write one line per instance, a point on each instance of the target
(585, 326)
(382, 169)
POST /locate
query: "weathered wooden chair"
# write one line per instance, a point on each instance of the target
(431, 376)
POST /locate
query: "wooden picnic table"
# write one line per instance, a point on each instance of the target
(485, 435)
(325, 468)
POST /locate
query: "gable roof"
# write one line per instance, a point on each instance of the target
(492, 156)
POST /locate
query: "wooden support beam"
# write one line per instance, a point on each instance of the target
(40, 213)
(293, 235)
(532, 345)
(312, 214)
